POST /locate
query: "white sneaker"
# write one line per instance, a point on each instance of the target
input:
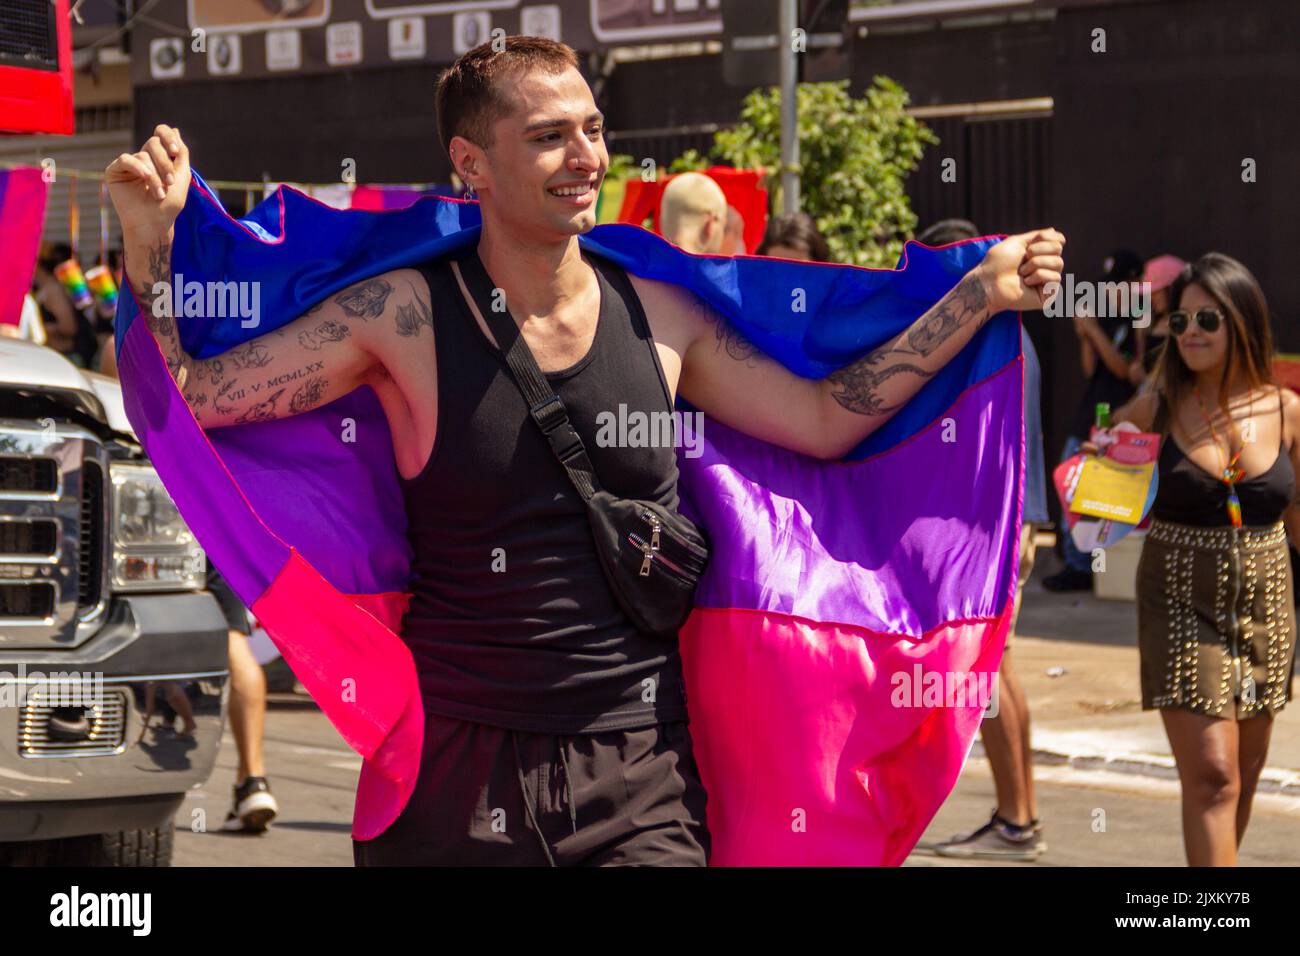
(254, 807)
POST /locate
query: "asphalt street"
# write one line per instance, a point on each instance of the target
(1092, 818)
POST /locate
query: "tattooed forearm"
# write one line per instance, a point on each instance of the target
(857, 387)
(153, 289)
(966, 303)
(871, 386)
(365, 301)
(414, 315)
(159, 270)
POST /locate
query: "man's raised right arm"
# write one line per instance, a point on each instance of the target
(318, 357)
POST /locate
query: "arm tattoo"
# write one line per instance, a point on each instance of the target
(414, 315)
(328, 331)
(729, 338)
(964, 302)
(263, 411)
(160, 270)
(308, 395)
(252, 354)
(365, 301)
(211, 369)
(163, 326)
(857, 387)
(223, 391)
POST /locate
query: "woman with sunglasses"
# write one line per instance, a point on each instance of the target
(1216, 611)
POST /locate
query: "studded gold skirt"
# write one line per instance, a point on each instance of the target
(1216, 619)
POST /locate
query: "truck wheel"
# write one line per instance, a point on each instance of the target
(123, 848)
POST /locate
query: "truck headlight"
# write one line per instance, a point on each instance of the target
(153, 550)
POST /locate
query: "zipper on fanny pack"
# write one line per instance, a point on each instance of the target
(652, 554)
(656, 526)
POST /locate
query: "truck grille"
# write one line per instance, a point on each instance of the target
(39, 731)
(29, 475)
(53, 534)
(27, 600)
(92, 531)
(38, 538)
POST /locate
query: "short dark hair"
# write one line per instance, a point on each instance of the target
(469, 99)
(947, 231)
(793, 230)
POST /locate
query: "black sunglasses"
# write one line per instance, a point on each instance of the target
(1207, 319)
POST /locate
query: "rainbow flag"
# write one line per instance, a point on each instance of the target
(22, 215)
(837, 592)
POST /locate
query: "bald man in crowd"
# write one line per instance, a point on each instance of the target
(693, 214)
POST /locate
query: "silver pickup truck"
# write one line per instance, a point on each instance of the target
(113, 656)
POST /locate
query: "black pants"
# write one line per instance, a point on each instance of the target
(487, 796)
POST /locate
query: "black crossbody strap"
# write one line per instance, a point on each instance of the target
(545, 407)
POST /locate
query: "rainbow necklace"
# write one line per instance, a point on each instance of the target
(1232, 472)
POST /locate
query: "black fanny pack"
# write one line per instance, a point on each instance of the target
(651, 556)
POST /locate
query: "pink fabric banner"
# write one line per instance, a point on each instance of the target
(22, 214)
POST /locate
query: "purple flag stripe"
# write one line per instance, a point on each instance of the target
(903, 542)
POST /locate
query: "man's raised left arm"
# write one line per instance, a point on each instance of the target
(727, 378)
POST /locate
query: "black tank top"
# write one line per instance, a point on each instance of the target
(511, 621)
(1187, 494)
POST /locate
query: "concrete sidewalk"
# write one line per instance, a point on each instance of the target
(1089, 714)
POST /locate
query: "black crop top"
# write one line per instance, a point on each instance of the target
(1188, 494)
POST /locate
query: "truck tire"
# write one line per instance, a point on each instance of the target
(139, 847)
(123, 848)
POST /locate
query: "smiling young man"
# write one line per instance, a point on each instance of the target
(555, 731)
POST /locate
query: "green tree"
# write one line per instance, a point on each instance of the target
(855, 154)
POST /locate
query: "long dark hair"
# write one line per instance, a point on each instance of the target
(1250, 336)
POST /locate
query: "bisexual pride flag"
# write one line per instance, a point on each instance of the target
(843, 603)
